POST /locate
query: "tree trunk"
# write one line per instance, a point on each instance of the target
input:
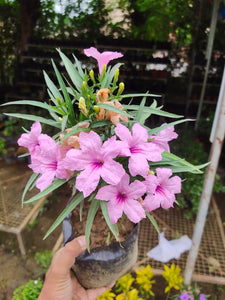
(30, 13)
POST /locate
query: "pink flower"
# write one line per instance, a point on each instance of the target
(123, 197)
(161, 189)
(137, 148)
(102, 58)
(163, 137)
(31, 140)
(47, 160)
(95, 160)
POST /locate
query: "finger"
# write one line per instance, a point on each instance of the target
(94, 293)
(65, 257)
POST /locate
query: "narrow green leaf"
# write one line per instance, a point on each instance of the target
(111, 73)
(115, 109)
(139, 95)
(112, 227)
(71, 206)
(154, 111)
(153, 221)
(100, 124)
(55, 185)
(32, 178)
(64, 122)
(157, 129)
(91, 215)
(53, 89)
(34, 118)
(79, 67)
(71, 70)
(139, 115)
(69, 104)
(173, 157)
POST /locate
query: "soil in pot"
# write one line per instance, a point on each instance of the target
(108, 259)
(100, 231)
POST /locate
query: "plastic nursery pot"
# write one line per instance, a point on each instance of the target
(103, 265)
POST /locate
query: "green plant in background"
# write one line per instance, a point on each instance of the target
(3, 143)
(132, 295)
(193, 149)
(124, 284)
(44, 259)
(189, 292)
(28, 291)
(173, 277)
(108, 295)
(10, 127)
(144, 280)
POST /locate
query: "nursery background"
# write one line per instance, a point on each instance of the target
(164, 44)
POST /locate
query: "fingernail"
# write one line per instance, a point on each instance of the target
(82, 242)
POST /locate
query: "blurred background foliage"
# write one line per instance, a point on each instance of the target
(184, 23)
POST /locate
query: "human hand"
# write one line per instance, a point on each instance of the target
(60, 283)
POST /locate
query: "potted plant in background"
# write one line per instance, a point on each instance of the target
(118, 168)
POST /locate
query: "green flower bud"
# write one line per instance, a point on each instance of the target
(91, 74)
(121, 88)
(82, 106)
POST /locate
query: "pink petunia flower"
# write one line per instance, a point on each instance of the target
(47, 160)
(137, 148)
(31, 140)
(161, 189)
(95, 160)
(163, 137)
(102, 58)
(122, 197)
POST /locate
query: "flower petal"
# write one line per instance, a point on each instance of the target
(45, 180)
(136, 189)
(112, 172)
(134, 210)
(106, 193)
(115, 211)
(87, 181)
(90, 141)
(138, 165)
(123, 133)
(140, 134)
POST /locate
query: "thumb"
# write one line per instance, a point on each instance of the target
(65, 257)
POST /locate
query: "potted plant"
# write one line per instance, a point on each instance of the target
(117, 166)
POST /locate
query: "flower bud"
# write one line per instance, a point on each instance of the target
(91, 74)
(84, 85)
(121, 88)
(58, 100)
(82, 106)
(116, 75)
(60, 119)
(104, 70)
(96, 108)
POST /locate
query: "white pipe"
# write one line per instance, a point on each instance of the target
(206, 193)
(218, 107)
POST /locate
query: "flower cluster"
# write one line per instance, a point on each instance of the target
(102, 146)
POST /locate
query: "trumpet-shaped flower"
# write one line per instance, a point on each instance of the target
(122, 197)
(31, 140)
(95, 160)
(47, 160)
(163, 137)
(137, 148)
(115, 118)
(102, 58)
(161, 189)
